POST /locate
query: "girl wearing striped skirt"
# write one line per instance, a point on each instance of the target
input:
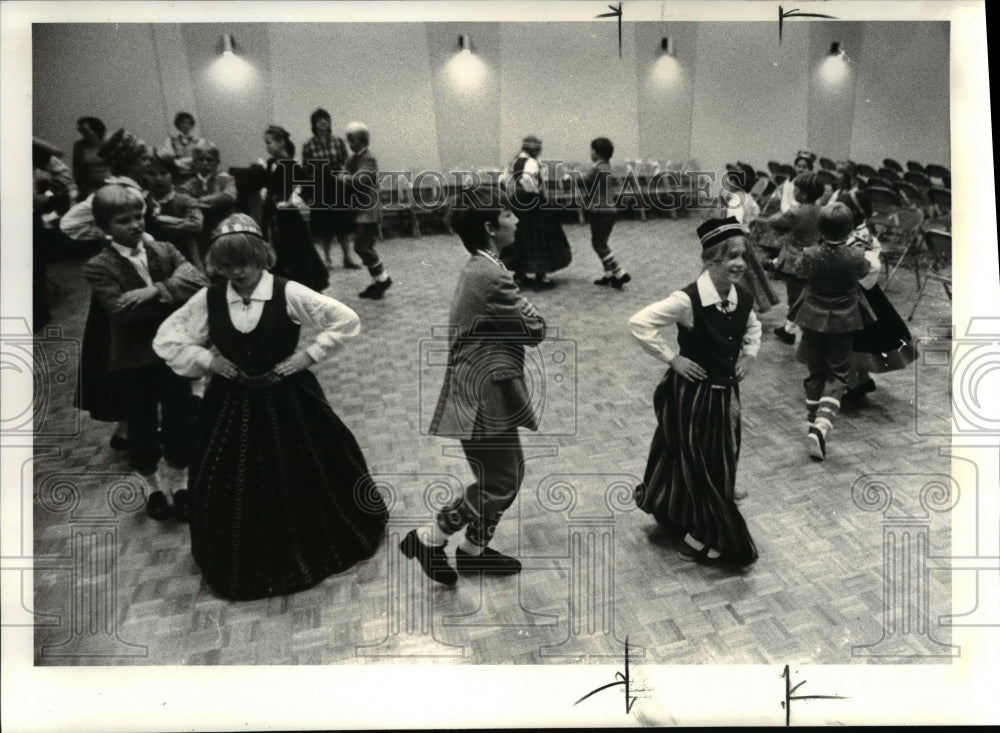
(690, 479)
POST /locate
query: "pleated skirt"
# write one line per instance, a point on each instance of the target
(690, 479)
(281, 494)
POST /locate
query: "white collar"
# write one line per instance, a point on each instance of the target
(130, 253)
(491, 258)
(709, 295)
(263, 291)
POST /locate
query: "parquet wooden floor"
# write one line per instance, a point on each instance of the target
(111, 587)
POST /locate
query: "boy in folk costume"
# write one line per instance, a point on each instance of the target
(484, 399)
(829, 313)
(602, 211)
(139, 282)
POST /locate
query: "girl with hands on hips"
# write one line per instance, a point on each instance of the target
(275, 467)
(690, 479)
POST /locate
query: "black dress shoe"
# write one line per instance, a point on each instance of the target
(856, 394)
(617, 282)
(432, 560)
(157, 506)
(118, 442)
(376, 290)
(784, 336)
(490, 562)
(606, 280)
(182, 505)
(699, 556)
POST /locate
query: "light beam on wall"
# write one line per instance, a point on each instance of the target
(465, 71)
(834, 68)
(666, 71)
(231, 71)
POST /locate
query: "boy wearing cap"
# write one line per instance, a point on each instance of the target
(829, 313)
(690, 478)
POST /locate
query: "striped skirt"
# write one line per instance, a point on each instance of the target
(690, 478)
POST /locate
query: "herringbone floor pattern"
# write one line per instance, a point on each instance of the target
(112, 587)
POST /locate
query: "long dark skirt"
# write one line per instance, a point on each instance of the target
(281, 495)
(297, 257)
(690, 480)
(97, 390)
(885, 345)
(540, 244)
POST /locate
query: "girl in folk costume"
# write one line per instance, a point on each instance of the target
(281, 218)
(797, 229)
(281, 494)
(830, 311)
(805, 160)
(540, 245)
(690, 478)
(885, 345)
(736, 200)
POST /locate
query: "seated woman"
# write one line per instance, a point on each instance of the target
(281, 494)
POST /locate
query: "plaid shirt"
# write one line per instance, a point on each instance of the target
(332, 149)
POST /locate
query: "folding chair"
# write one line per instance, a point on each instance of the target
(939, 245)
(876, 182)
(865, 171)
(899, 239)
(826, 177)
(918, 179)
(939, 172)
(939, 200)
(396, 206)
(893, 165)
(910, 194)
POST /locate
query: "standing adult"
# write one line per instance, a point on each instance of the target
(363, 189)
(484, 399)
(325, 155)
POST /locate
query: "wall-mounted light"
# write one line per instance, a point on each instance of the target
(230, 70)
(227, 45)
(465, 43)
(834, 68)
(667, 45)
